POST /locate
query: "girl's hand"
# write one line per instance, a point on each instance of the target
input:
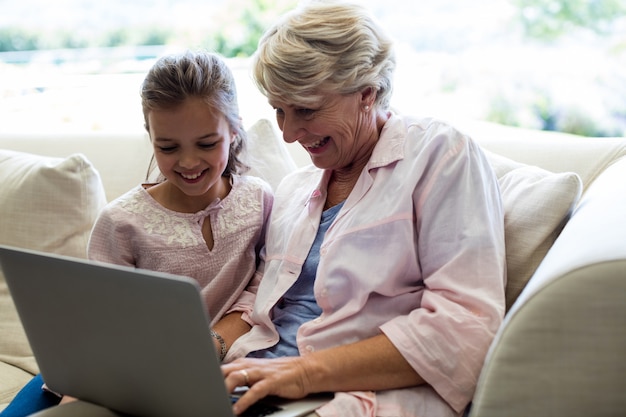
(66, 399)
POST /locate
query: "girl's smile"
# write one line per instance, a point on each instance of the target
(192, 148)
(192, 177)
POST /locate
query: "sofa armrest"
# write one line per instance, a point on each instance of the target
(560, 350)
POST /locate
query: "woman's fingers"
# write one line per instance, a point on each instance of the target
(281, 377)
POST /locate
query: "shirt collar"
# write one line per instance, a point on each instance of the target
(390, 146)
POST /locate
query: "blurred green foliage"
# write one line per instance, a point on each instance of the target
(550, 19)
(240, 38)
(18, 39)
(234, 32)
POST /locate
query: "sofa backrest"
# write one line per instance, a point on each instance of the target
(122, 159)
(554, 151)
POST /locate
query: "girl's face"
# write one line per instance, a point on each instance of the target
(336, 132)
(191, 147)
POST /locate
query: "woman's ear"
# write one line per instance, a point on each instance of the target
(368, 97)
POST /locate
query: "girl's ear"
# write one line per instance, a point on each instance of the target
(234, 132)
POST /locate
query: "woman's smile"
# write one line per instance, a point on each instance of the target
(317, 147)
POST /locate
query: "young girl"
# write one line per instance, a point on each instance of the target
(202, 218)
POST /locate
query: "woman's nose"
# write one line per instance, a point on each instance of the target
(292, 129)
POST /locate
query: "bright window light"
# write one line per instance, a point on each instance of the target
(75, 65)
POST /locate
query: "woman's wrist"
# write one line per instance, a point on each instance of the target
(317, 370)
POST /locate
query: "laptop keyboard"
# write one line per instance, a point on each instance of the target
(258, 409)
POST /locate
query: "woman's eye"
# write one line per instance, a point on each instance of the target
(167, 149)
(306, 112)
(207, 145)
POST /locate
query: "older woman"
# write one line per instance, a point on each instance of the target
(384, 268)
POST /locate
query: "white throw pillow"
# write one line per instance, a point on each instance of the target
(47, 204)
(537, 204)
(268, 156)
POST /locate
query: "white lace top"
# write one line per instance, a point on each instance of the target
(135, 230)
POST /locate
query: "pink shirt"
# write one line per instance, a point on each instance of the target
(416, 252)
(137, 231)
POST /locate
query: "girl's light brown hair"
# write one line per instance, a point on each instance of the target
(176, 78)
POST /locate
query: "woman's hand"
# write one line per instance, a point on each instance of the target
(369, 365)
(284, 377)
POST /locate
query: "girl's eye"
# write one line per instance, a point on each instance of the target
(207, 145)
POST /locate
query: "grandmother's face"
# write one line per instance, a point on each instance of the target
(336, 132)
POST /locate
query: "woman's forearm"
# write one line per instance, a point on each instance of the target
(370, 365)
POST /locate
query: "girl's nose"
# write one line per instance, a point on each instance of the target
(188, 160)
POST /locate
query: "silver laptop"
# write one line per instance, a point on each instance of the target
(132, 340)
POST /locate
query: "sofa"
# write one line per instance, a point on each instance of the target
(560, 350)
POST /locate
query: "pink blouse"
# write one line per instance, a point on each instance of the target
(135, 230)
(416, 252)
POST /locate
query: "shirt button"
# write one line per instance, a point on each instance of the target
(310, 348)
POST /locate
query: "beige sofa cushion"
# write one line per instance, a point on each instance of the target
(46, 204)
(13, 379)
(537, 204)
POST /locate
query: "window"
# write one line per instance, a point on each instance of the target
(555, 65)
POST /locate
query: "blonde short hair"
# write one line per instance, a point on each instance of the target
(324, 47)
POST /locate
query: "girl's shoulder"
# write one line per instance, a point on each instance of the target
(250, 191)
(135, 200)
(250, 183)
